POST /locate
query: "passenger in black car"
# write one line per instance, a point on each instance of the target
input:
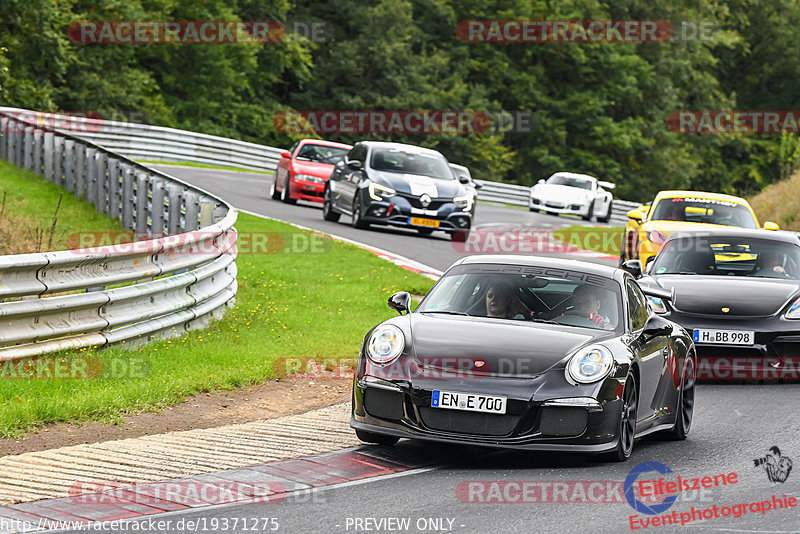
(501, 302)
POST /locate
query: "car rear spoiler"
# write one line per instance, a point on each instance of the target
(658, 292)
(606, 185)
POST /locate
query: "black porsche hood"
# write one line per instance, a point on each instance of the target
(743, 296)
(413, 184)
(507, 348)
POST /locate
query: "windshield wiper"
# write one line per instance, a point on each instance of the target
(677, 272)
(448, 312)
(540, 320)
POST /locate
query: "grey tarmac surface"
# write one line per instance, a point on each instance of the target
(249, 191)
(734, 424)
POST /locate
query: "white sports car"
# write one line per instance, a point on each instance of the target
(578, 194)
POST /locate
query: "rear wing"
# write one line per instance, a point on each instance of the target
(606, 185)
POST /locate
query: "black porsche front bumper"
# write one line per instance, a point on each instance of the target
(557, 417)
(775, 353)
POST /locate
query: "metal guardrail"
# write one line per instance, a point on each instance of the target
(519, 195)
(144, 142)
(171, 283)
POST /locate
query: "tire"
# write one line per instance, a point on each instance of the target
(608, 214)
(425, 231)
(327, 208)
(627, 423)
(357, 221)
(273, 191)
(590, 213)
(286, 193)
(379, 439)
(685, 409)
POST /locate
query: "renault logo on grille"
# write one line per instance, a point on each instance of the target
(425, 200)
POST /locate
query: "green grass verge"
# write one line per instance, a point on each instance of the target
(292, 303)
(30, 202)
(202, 166)
(596, 238)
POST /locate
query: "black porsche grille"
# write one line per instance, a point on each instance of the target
(563, 421)
(467, 422)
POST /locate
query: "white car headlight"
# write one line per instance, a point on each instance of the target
(464, 203)
(385, 344)
(309, 178)
(794, 310)
(590, 364)
(378, 191)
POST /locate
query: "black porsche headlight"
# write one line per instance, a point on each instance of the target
(590, 364)
(794, 310)
(385, 344)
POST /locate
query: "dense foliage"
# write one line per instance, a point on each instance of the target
(597, 107)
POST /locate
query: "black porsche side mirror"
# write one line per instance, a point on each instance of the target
(656, 326)
(354, 164)
(400, 302)
(463, 179)
(634, 267)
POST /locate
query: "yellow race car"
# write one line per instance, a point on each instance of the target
(649, 225)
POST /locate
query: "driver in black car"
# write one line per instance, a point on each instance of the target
(586, 303)
(769, 264)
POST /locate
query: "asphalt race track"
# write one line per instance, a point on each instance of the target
(249, 191)
(734, 424)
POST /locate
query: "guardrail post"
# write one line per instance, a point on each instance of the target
(80, 152)
(157, 211)
(90, 183)
(38, 152)
(113, 185)
(48, 156)
(142, 184)
(69, 165)
(174, 209)
(191, 211)
(3, 136)
(58, 160)
(127, 198)
(19, 143)
(102, 178)
(206, 212)
(27, 149)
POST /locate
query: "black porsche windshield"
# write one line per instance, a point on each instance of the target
(527, 294)
(701, 210)
(570, 181)
(728, 256)
(423, 164)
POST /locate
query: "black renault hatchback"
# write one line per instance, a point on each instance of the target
(398, 185)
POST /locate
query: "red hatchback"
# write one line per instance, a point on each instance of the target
(304, 169)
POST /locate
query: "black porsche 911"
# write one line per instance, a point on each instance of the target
(738, 292)
(528, 353)
(399, 185)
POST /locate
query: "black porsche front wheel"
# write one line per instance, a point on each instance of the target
(627, 423)
(685, 408)
(379, 439)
